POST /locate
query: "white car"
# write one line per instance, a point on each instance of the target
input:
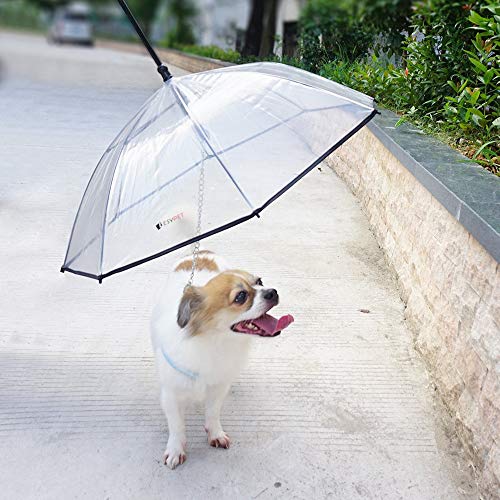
(72, 24)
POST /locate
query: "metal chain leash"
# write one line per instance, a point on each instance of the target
(196, 246)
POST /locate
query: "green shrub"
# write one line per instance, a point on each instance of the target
(450, 80)
(434, 53)
(372, 77)
(328, 31)
(474, 105)
(347, 29)
(387, 17)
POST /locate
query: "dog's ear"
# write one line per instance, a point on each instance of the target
(191, 302)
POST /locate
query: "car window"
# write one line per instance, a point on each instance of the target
(74, 16)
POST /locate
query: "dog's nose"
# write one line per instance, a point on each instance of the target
(271, 294)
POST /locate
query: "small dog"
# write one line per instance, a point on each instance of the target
(201, 338)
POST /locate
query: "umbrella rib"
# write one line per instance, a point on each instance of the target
(157, 190)
(141, 111)
(203, 136)
(281, 96)
(103, 230)
(301, 112)
(139, 115)
(141, 129)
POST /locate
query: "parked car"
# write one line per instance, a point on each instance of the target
(72, 24)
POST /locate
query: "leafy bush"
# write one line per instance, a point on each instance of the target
(434, 52)
(474, 106)
(329, 32)
(450, 82)
(387, 17)
(372, 76)
(347, 29)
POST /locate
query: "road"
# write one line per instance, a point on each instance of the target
(338, 406)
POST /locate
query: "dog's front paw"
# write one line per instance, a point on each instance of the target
(174, 456)
(219, 440)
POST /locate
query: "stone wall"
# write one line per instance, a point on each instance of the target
(451, 286)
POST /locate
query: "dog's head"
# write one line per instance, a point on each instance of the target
(235, 301)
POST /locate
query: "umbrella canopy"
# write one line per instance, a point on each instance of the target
(206, 152)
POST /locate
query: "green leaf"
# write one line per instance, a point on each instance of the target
(478, 64)
(478, 120)
(496, 123)
(482, 148)
(475, 18)
(476, 112)
(488, 76)
(402, 120)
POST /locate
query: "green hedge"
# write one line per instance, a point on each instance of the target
(345, 30)
(449, 79)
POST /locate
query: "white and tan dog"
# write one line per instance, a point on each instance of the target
(201, 337)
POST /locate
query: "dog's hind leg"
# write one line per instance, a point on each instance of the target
(173, 407)
(215, 396)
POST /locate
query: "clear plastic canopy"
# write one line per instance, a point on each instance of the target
(251, 131)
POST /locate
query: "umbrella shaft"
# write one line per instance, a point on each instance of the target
(162, 69)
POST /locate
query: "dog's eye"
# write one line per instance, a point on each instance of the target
(259, 282)
(241, 297)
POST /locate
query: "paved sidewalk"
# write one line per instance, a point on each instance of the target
(338, 406)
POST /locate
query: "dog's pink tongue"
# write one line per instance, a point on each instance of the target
(272, 325)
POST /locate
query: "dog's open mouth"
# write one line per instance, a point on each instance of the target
(265, 326)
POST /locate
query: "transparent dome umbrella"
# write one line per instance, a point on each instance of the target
(216, 148)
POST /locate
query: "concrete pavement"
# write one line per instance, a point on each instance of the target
(338, 406)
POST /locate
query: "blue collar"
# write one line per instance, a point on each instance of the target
(184, 371)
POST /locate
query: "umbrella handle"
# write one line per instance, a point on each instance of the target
(162, 68)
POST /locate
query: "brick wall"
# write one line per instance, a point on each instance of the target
(451, 286)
